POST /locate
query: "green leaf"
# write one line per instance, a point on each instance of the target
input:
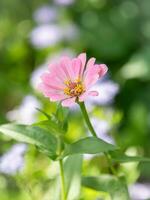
(116, 187)
(56, 123)
(88, 145)
(120, 157)
(62, 116)
(50, 126)
(72, 169)
(60, 112)
(32, 135)
(44, 113)
(72, 174)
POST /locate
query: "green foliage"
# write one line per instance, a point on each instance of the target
(118, 156)
(116, 187)
(51, 126)
(114, 32)
(47, 142)
(32, 135)
(72, 170)
(57, 123)
(88, 145)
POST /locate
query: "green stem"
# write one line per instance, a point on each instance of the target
(62, 179)
(86, 117)
(88, 122)
(112, 169)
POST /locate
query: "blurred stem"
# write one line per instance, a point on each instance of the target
(62, 179)
(63, 194)
(88, 122)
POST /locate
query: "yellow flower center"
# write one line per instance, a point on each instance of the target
(74, 89)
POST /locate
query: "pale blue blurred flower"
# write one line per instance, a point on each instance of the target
(140, 191)
(26, 112)
(13, 161)
(107, 91)
(102, 128)
(36, 74)
(64, 2)
(45, 14)
(46, 35)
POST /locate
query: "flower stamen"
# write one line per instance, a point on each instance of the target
(74, 89)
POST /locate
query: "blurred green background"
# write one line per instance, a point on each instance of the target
(36, 32)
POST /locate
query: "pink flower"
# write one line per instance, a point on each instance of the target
(70, 80)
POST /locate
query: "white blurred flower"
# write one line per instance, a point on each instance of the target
(64, 2)
(102, 128)
(26, 112)
(13, 161)
(139, 191)
(45, 14)
(107, 91)
(46, 35)
(36, 74)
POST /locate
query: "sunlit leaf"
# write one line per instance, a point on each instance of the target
(72, 168)
(44, 113)
(54, 190)
(72, 174)
(32, 135)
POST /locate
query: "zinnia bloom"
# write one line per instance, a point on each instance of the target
(70, 80)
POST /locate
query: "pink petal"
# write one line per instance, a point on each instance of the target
(57, 71)
(90, 63)
(76, 67)
(48, 91)
(86, 94)
(52, 66)
(40, 87)
(83, 96)
(93, 93)
(102, 70)
(65, 65)
(82, 57)
(91, 76)
(68, 102)
(50, 79)
(57, 97)
(43, 87)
